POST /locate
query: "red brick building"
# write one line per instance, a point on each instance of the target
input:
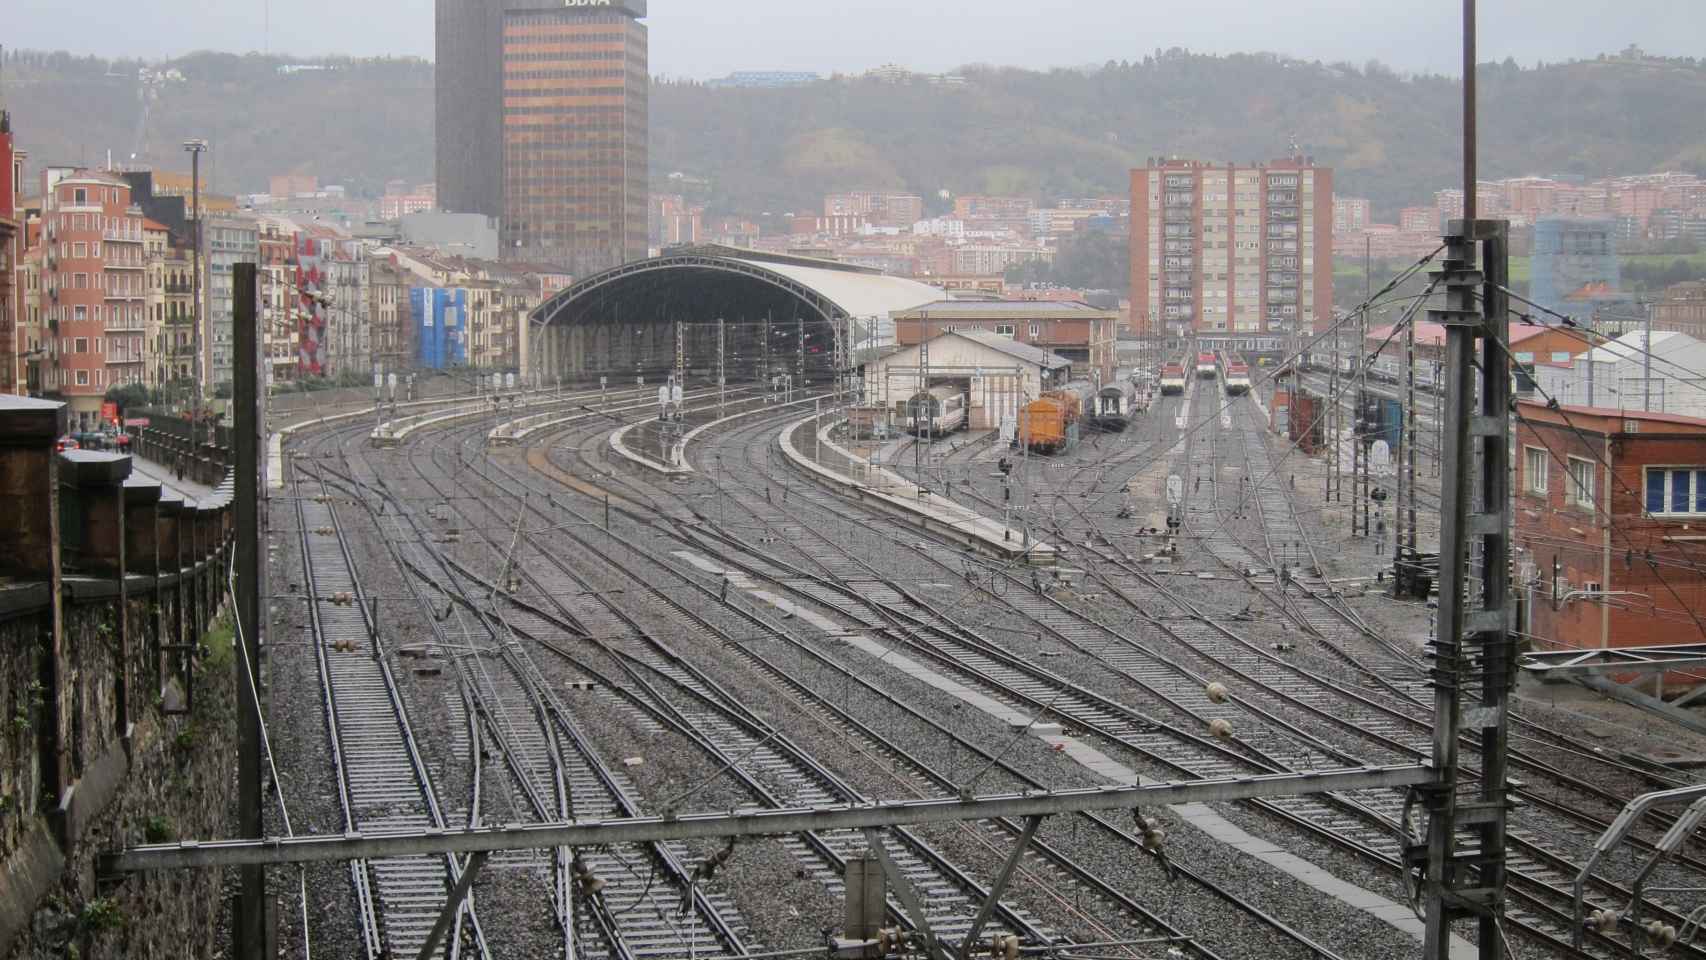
(1074, 330)
(95, 287)
(1611, 511)
(1682, 309)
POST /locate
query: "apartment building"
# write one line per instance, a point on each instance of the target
(1682, 308)
(388, 312)
(1350, 214)
(95, 286)
(1231, 250)
(226, 242)
(881, 209)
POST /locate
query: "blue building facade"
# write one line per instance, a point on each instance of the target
(440, 316)
(1572, 255)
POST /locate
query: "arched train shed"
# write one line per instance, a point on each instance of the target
(774, 316)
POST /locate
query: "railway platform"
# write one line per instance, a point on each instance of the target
(166, 477)
(834, 466)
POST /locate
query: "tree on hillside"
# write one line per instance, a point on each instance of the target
(1085, 261)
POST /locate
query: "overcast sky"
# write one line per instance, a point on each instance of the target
(703, 39)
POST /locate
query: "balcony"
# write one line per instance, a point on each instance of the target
(121, 236)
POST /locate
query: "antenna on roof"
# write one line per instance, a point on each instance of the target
(1296, 151)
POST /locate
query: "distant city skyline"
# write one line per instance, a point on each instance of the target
(703, 42)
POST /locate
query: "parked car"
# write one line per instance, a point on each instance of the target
(67, 442)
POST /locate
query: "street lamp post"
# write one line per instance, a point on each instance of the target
(195, 148)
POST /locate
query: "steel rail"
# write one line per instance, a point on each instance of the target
(368, 875)
(525, 670)
(814, 768)
(807, 649)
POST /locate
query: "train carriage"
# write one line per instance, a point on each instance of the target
(1172, 379)
(1236, 377)
(1206, 367)
(1046, 424)
(1114, 406)
(936, 412)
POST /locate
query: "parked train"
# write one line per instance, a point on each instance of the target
(1235, 374)
(1045, 424)
(1206, 366)
(936, 412)
(1384, 369)
(1114, 405)
(1172, 379)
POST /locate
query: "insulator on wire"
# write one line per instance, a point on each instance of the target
(1216, 692)
(1221, 728)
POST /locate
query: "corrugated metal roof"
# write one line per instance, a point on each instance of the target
(1040, 308)
(1013, 348)
(1629, 346)
(857, 294)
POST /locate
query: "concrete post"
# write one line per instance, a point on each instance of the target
(92, 524)
(29, 550)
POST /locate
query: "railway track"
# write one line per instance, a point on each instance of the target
(617, 908)
(747, 648)
(383, 784)
(1546, 873)
(1283, 723)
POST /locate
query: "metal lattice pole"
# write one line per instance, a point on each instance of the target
(1473, 660)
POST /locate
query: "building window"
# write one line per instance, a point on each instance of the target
(82, 344)
(1676, 491)
(1004, 329)
(1536, 464)
(79, 196)
(1580, 492)
(82, 378)
(1036, 330)
(1562, 356)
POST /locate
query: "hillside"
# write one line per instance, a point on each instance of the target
(358, 123)
(1049, 134)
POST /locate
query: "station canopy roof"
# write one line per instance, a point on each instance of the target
(829, 287)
